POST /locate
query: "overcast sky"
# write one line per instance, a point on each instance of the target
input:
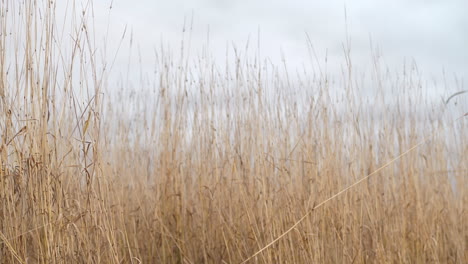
(432, 32)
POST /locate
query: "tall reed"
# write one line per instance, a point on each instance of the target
(208, 163)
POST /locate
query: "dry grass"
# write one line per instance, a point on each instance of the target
(208, 164)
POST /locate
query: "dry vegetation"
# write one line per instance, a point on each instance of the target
(208, 164)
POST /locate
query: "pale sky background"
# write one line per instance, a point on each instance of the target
(432, 32)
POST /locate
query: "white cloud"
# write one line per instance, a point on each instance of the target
(431, 32)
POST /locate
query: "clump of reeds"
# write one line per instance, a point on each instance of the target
(211, 165)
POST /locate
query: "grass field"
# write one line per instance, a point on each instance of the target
(208, 163)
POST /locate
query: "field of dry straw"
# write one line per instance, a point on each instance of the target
(209, 163)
